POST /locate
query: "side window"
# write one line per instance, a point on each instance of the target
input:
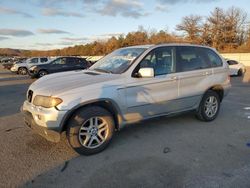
(232, 62)
(191, 58)
(81, 62)
(59, 61)
(214, 59)
(43, 59)
(162, 60)
(34, 60)
(71, 61)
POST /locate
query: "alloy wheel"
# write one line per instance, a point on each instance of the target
(211, 106)
(93, 132)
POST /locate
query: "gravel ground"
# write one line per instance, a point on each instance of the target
(165, 152)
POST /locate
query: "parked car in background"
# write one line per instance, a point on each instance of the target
(236, 68)
(22, 68)
(8, 65)
(5, 59)
(127, 86)
(59, 64)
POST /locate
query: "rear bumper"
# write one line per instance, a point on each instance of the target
(45, 122)
(226, 89)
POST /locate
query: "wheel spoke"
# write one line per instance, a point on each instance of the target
(98, 140)
(100, 136)
(91, 141)
(102, 129)
(83, 134)
(86, 140)
(91, 122)
(103, 124)
(84, 128)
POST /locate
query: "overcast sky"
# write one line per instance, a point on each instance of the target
(48, 24)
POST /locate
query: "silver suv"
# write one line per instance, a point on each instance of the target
(127, 86)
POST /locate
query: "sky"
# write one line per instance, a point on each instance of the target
(50, 24)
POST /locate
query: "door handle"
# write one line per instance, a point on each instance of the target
(206, 73)
(173, 78)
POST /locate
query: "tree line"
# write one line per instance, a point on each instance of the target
(225, 30)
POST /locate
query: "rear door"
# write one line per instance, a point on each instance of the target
(195, 75)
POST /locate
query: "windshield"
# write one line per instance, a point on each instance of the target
(118, 61)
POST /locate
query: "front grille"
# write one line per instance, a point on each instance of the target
(30, 95)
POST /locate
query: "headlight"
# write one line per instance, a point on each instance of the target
(47, 102)
(33, 68)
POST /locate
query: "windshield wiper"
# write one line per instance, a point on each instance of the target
(103, 70)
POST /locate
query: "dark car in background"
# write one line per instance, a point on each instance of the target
(59, 64)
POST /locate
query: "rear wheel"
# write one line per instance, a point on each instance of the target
(209, 106)
(42, 73)
(22, 71)
(90, 130)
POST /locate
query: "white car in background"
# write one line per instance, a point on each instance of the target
(236, 68)
(22, 68)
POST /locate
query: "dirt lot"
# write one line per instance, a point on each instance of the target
(165, 152)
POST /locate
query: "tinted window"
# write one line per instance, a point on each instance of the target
(162, 60)
(191, 58)
(231, 62)
(82, 62)
(44, 60)
(71, 61)
(214, 59)
(59, 61)
(34, 60)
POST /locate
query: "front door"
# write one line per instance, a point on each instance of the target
(148, 97)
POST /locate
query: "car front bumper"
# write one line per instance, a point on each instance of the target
(45, 122)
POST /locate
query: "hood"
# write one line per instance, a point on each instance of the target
(20, 64)
(59, 83)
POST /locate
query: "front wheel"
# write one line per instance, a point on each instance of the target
(209, 106)
(42, 73)
(22, 71)
(90, 130)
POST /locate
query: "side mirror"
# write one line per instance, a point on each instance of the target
(146, 72)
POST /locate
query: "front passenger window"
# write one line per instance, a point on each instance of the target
(162, 60)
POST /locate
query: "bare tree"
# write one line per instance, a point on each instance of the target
(227, 28)
(216, 24)
(234, 27)
(191, 26)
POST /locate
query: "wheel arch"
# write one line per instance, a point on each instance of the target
(218, 89)
(107, 104)
(22, 67)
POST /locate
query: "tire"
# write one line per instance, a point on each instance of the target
(240, 72)
(83, 137)
(22, 71)
(42, 73)
(209, 106)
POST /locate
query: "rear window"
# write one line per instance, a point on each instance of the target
(214, 59)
